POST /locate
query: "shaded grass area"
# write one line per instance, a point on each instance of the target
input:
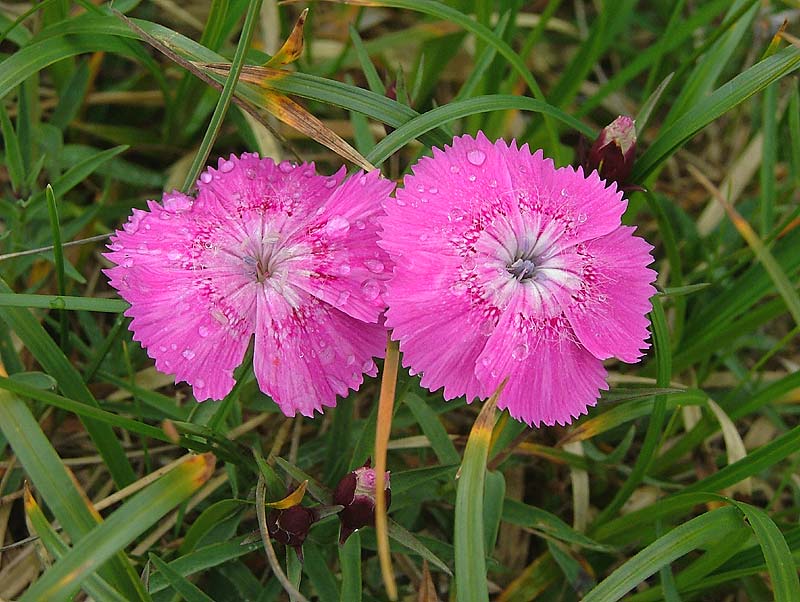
(680, 485)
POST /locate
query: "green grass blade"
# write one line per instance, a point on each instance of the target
(58, 256)
(706, 529)
(95, 586)
(426, 122)
(51, 479)
(250, 20)
(434, 430)
(132, 519)
(55, 363)
(780, 563)
(182, 586)
(350, 564)
(468, 536)
(724, 98)
(13, 155)
(373, 79)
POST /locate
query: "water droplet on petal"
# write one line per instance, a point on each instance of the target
(520, 352)
(486, 328)
(423, 237)
(401, 202)
(250, 173)
(433, 190)
(360, 224)
(199, 384)
(472, 178)
(486, 361)
(468, 263)
(285, 166)
(454, 169)
(344, 269)
(420, 188)
(188, 354)
(366, 366)
(337, 226)
(203, 331)
(476, 157)
(493, 184)
(205, 177)
(370, 289)
(351, 359)
(174, 255)
(127, 262)
(344, 296)
(456, 214)
(375, 266)
(326, 355)
(226, 166)
(330, 183)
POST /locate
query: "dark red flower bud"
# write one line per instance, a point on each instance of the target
(612, 153)
(356, 493)
(290, 526)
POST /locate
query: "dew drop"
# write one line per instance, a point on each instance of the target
(330, 183)
(454, 169)
(420, 188)
(203, 331)
(199, 384)
(174, 255)
(472, 178)
(423, 237)
(564, 192)
(433, 190)
(486, 361)
(370, 289)
(226, 166)
(344, 269)
(476, 157)
(363, 180)
(344, 296)
(366, 366)
(337, 226)
(360, 224)
(581, 218)
(456, 214)
(250, 173)
(520, 352)
(285, 167)
(486, 328)
(164, 215)
(351, 359)
(493, 184)
(205, 177)
(400, 202)
(469, 263)
(162, 348)
(374, 266)
(127, 262)
(326, 355)
(188, 354)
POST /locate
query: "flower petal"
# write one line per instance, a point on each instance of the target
(306, 356)
(609, 313)
(345, 267)
(552, 379)
(441, 325)
(191, 329)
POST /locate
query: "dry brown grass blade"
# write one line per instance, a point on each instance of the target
(292, 113)
(293, 46)
(427, 590)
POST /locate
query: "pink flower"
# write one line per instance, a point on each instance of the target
(272, 250)
(508, 267)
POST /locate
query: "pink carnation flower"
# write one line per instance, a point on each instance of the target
(508, 267)
(272, 250)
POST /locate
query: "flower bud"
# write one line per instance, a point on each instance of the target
(356, 493)
(612, 153)
(290, 526)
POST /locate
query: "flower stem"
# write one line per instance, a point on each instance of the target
(382, 431)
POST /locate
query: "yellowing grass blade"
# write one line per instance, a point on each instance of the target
(292, 48)
(471, 582)
(132, 519)
(292, 113)
(294, 498)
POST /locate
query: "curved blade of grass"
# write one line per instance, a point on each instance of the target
(58, 259)
(426, 122)
(48, 474)
(471, 582)
(95, 586)
(404, 537)
(132, 519)
(56, 364)
(350, 565)
(724, 98)
(708, 528)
